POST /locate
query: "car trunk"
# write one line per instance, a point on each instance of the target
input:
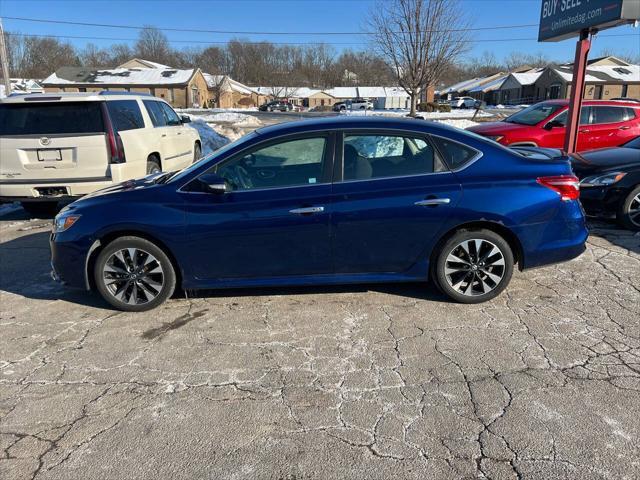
(41, 142)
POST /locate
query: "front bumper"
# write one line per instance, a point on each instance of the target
(69, 261)
(601, 200)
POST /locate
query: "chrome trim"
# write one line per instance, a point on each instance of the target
(306, 210)
(179, 155)
(432, 202)
(260, 189)
(473, 160)
(92, 248)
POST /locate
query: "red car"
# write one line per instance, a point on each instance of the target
(602, 124)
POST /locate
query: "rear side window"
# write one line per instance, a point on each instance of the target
(155, 112)
(455, 154)
(50, 118)
(125, 115)
(381, 156)
(608, 114)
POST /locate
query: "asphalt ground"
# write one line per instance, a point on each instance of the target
(354, 382)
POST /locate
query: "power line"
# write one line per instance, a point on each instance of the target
(247, 32)
(206, 42)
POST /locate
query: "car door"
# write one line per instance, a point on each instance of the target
(608, 127)
(554, 137)
(180, 140)
(274, 220)
(391, 196)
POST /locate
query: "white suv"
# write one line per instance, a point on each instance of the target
(55, 146)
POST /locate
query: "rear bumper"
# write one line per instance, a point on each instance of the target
(553, 242)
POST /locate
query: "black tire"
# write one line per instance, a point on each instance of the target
(628, 213)
(137, 284)
(482, 276)
(197, 152)
(153, 165)
(44, 209)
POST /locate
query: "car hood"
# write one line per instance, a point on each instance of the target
(496, 128)
(605, 159)
(130, 187)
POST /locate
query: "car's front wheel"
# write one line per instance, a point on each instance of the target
(134, 275)
(474, 266)
(629, 212)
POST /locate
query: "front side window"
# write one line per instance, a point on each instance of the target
(378, 156)
(285, 164)
(455, 154)
(170, 114)
(125, 115)
(154, 109)
(534, 114)
(608, 114)
(585, 113)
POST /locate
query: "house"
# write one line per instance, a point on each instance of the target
(140, 63)
(488, 92)
(519, 87)
(182, 88)
(21, 85)
(601, 82)
(225, 92)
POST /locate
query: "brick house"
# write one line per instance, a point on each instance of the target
(182, 88)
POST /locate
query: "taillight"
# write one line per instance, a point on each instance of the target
(567, 186)
(114, 142)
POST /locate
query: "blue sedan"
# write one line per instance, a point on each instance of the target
(328, 201)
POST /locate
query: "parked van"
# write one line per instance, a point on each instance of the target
(58, 146)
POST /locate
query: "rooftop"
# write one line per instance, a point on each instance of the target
(119, 76)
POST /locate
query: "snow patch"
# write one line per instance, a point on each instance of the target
(211, 140)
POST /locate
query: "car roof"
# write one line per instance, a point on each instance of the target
(74, 97)
(354, 122)
(613, 103)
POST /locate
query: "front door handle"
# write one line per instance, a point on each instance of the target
(584, 131)
(306, 210)
(433, 202)
(624, 127)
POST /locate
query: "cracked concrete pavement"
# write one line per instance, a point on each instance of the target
(364, 382)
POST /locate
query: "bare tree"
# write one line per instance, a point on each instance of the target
(92, 56)
(153, 45)
(417, 39)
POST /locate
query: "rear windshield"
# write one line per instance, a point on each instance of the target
(534, 114)
(50, 118)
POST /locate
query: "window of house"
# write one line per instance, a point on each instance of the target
(125, 115)
(285, 164)
(378, 156)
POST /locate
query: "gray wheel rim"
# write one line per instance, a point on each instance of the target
(133, 276)
(634, 210)
(474, 267)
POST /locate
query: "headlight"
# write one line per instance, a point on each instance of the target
(64, 221)
(603, 180)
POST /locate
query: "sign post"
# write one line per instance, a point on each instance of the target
(562, 19)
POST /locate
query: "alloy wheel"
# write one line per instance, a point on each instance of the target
(634, 210)
(474, 267)
(133, 276)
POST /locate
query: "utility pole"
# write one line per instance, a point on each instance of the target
(5, 62)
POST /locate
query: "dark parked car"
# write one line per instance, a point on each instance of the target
(326, 201)
(276, 106)
(610, 182)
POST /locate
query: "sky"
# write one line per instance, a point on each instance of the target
(301, 16)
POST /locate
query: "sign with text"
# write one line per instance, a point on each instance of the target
(562, 19)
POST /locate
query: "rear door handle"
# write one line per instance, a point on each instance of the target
(583, 131)
(163, 135)
(433, 202)
(306, 210)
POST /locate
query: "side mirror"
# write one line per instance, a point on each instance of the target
(185, 119)
(553, 124)
(213, 183)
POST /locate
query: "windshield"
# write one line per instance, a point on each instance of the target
(635, 143)
(534, 114)
(211, 158)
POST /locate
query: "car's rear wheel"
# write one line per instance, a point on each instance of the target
(134, 275)
(197, 152)
(474, 266)
(46, 209)
(629, 212)
(153, 165)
